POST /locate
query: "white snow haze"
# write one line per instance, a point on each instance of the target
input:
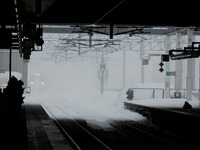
(73, 86)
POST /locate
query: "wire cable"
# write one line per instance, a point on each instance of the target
(109, 12)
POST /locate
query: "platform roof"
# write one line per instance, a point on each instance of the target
(120, 12)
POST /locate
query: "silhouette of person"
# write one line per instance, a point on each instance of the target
(13, 99)
(20, 91)
(187, 105)
(1, 96)
(1, 104)
(9, 92)
(129, 94)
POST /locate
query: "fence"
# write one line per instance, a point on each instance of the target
(145, 93)
(182, 91)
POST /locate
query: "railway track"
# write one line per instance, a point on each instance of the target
(74, 130)
(122, 134)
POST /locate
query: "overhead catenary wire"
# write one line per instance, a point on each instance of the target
(109, 11)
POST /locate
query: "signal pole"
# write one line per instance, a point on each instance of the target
(103, 73)
(167, 78)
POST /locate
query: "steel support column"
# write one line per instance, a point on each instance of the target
(199, 83)
(141, 56)
(167, 67)
(178, 65)
(124, 69)
(190, 69)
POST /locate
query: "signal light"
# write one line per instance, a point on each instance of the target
(165, 58)
(102, 69)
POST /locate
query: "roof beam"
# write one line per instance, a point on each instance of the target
(118, 30)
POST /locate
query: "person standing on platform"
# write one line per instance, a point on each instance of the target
(129, 94)
(13, 99)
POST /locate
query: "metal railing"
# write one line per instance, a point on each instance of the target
(182, 91)
(145, 93)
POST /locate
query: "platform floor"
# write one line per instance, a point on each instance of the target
(42, 131)
(13, 131)
(36, 131)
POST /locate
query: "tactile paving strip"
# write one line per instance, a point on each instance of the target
(42, 132)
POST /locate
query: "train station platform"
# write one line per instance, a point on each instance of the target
(170, 115)
(36, 131)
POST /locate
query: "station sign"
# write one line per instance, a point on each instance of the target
(171, 73)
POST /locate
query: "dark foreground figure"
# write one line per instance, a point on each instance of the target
(187, 105)
(11, 100)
